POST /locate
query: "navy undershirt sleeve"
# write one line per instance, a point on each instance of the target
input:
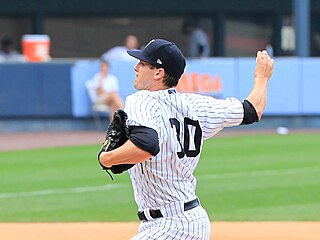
(145, 138)
(250, 115)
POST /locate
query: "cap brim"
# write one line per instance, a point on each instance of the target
(139, 55)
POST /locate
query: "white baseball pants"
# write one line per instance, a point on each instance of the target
(190, 225)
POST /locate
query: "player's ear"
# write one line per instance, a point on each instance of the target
(160, 73)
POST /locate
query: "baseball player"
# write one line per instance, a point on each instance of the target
(167, 132)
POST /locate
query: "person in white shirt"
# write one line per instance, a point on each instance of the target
(7, 52)
(120, 52)
(103, 88)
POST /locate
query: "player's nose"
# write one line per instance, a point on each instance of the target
(136, 68)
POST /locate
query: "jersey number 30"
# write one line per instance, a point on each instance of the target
(191, 128)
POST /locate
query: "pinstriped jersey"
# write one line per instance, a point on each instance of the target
(183, 121)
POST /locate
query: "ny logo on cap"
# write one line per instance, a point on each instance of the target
(159, 61)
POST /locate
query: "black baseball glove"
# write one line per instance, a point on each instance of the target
(117, 134)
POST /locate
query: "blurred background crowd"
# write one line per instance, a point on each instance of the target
(86, 29)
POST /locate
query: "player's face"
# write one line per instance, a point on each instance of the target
(144, 76)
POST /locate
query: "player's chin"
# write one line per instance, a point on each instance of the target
(136, 84)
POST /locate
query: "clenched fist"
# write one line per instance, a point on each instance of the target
(264, 67)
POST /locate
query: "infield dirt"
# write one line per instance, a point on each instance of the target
(123, 231)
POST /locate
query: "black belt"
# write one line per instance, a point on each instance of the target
(157, 213)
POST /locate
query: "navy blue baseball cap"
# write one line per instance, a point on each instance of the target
(162, 54)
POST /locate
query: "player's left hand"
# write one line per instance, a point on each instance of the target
(117, 134)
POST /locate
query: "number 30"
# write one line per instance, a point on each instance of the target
(185, 149)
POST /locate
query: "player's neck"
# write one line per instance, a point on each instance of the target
(157, 86)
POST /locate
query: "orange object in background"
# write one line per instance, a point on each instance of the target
(36, 47)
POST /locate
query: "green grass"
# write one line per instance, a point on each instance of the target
(245, 178)
(269, 177)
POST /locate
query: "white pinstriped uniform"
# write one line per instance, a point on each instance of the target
(166, 181)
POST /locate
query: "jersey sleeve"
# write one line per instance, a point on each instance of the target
(141, 110)
(216, 114)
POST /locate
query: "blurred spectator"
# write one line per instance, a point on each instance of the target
(8, 53)
(120, 52)
(103, 89)
(199, 45)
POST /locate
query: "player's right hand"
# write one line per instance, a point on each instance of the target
(265, 65)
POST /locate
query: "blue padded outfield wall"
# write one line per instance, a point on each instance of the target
(35, 90)
(57, 89)
(293, 90)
